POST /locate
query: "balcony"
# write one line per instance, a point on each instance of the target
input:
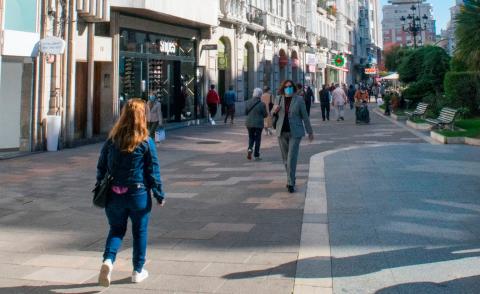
(334, 46)
(255, 17)
(274, 24)
(233, 12)
(323, 42)
(301, 33)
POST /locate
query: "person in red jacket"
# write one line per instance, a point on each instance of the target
(212, 101)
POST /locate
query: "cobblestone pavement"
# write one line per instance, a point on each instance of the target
(228, 226)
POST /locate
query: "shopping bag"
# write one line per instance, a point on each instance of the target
(160, 135)
(380, 101)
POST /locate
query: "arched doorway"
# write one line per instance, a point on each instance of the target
(282, 64)
(224, 66)
(248, 70)
(295, 66)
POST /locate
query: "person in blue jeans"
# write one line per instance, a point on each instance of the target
(130, 156)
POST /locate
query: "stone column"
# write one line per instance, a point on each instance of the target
(91, 77)
(71, 70)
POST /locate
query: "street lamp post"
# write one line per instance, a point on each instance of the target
(415, 26)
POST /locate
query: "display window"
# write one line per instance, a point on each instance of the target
(159, 67)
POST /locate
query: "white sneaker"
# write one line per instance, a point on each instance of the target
(105, 275)
(213, 122)
(139, 277)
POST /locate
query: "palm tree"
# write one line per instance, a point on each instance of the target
(467, 34)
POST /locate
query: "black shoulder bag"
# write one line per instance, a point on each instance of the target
(102, 190)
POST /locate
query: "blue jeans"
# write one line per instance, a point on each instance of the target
(135, 205)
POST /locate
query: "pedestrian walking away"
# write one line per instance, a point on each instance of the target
(361, 105)
(290, 128)
(309, 96)
(267, 99)
(351, 96)
(256, 112)
(339, 100)
(230, 98)
(130, 157)
(212, 101)
(325, 102)
(154, 115)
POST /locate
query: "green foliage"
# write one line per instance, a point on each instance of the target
(462, 90)
(410, 66)
(394, 56)
(471, 127)
(457, 64)
(467, 34)
(416, 91)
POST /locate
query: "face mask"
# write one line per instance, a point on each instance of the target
(152, 98)
(289, 91)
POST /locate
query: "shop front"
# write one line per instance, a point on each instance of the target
(159, 66)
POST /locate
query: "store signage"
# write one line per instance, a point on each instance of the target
(52, 45)
(371, 71)
(311, 59)
(168, 47)
(209, 47)
(339, 60)
(295, 62)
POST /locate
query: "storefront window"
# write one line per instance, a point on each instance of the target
(21, 15)
(158, 66)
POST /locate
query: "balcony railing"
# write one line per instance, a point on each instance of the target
(275, 24)
(334, 45)
(324, 42)
(301, 33)
(255, 15)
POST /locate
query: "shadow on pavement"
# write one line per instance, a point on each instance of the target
(361, 264)
(90, 288)
(468, 285)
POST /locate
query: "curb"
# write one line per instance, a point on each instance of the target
(314, 267)
(424, 137)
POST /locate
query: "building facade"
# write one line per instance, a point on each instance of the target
(393, 35)
(448, 35)
(116, 50)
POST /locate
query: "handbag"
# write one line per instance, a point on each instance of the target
(102, 190)
(275, 116)
(160, 135)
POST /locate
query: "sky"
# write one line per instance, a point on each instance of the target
(441, 11)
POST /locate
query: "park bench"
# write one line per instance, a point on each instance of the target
(419, 111)
(446, 118)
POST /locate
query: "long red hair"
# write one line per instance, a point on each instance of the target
(131, 128)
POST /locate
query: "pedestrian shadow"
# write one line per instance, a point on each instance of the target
(324, 267)
(468, 285)
(90, 288)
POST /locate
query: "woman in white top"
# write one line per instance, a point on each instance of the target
(154, 115)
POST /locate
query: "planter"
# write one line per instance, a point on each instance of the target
(447, 140)
(419, 126)
(399, 117)
(472, 141)
(54, 122)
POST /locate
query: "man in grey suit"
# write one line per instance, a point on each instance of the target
(290, 127)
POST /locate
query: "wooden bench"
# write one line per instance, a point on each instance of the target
(446, 118)
(419, 111)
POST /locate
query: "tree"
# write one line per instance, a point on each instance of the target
(467, 34)
(394, 56)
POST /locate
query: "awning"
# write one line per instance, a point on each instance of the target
(337, 67)
(393, 76)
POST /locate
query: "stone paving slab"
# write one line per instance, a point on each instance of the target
(228, 226)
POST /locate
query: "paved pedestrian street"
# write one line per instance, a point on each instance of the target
(377, 210)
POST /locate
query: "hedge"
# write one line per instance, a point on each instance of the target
(462, 90)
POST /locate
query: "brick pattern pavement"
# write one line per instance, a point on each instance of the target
(228, 227)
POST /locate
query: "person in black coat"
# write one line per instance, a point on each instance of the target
(325, 102)
(308, 98)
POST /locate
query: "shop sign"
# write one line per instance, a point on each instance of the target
(168, 47)
(371, 71)
(209, 47)
(283, 60)
(295, 62)
(311, 59)
(339, 60)
(268, 52)
(52, 45)
(222, 61)
(311, 68)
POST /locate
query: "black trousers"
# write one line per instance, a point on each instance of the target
(255, 138)
(325, 111)
(230, 112)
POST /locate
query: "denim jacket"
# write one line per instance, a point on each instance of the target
(140, 167)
